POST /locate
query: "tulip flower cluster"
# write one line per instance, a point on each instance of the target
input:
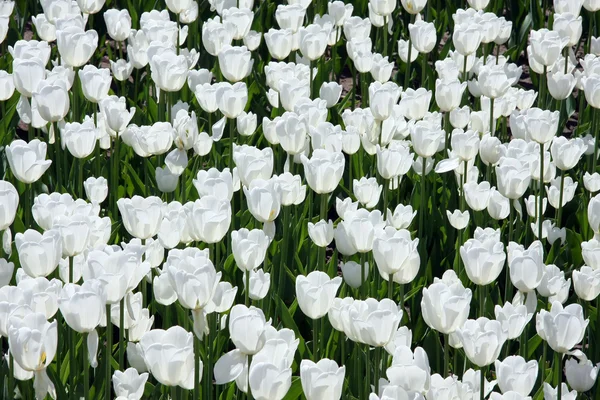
(320, 199)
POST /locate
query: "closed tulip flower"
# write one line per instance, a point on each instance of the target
(448, 94)
(232, 99)
(39, 254)
(27, 74)
(367, 191)
(129, 384)
(235, 62)
(214, 183)
(330, 92)
(493, 81)
(321, 233)
(373, 322)
(553, 191)
(403, 51)
(394, 161)
(90, 6)
(382, 69)
(445, 305)
(413, 6)
(514, 317)
(426, 139)
(423, 36)
(477, 195)
(96, 189)
(253, 163)
(526, 266)
(415, 103)
(590, 251)
(7, 86)
(594, 213)
(591, 182)
(591, 5)
(567, 152)
(292, 130)
(118, 23)
(547, 46)
(402, 216)
(360, 227)
(141, 216)
(315, 293)
(45, 30)
(121, 69)
(322, 380)
(467, 38)
(9, 201)
(323, 170)
(115, 112)
(560, 85)
(80, 139)
(591, 88)
(581, 374)
(458, 219)
(513, 177)
(210, 219)
(264, 199)
(169, 356)
(395, 253)
(32, 340)
(247, 328)
(194, 280)
(279, 42)
(52, 100)
(563, 327)
(586, 282)
(75, 45)
(259, 284)
(352, 274)
(91, 297)
(514, 374)
(292, 190)
(410, 371)
(249, 248)
(482, 339)
(169, 71)
(483, 260)
(95, 83)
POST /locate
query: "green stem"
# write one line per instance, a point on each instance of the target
(108, 352)
(482, 294)
(197, 368)
(481, 383)
(408, 62)
(560, 199)
(57, 154)
(11, 376)
(541, 199)
(595, 125)
(315, 343)
(86, 369)
(559, 372)
(323, 216)
(247, 291)
(122, 334)
(391, 286)
(492, 125)
(367, 370)
(446, 355)
(363, 283)
(364, 91)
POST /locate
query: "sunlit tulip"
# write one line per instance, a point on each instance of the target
(581, 374)
(393, 162)
(323, 170)
(367, 191)
(264, 199)
(39, 254)
(458, 219)
(210, 218)
(80, 139)
(169, 71)
(247, 328)
(194, 280)
(566, 153)
(445, 304)
(359, 229)
(321, 233)
(483, 260)
(482, 339)
(91, 297)
(590, 250)
(586, 282)
(236, 62)
(129, 383)
(516, 375)
(551, 393)
(9, 201)
(396, 254)
(323, 379)
(513, 177)
(75, 45)
(249, 248)
(253, 163)
(232, 99)
(410, 370)
(118, 23)
(115, 112)
(413, 6)
(27, 160)
(593, 212)
(591, 182)
(467, 38)
(448, 94)
(372, 322)
(95, 82)
(563, 327)
(141, 216)
(7, 86)
(90, 6)
(423, 36)
(546, 46)
(352, 274)
(169, 356)
(493, 81)
(315, 293)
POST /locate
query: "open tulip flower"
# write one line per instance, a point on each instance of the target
(299, 199)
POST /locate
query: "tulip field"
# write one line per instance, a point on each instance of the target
(299, 199)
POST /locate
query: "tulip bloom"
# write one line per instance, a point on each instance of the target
(562, 327)
(445, 304)
(315, 293)
(322, 380)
